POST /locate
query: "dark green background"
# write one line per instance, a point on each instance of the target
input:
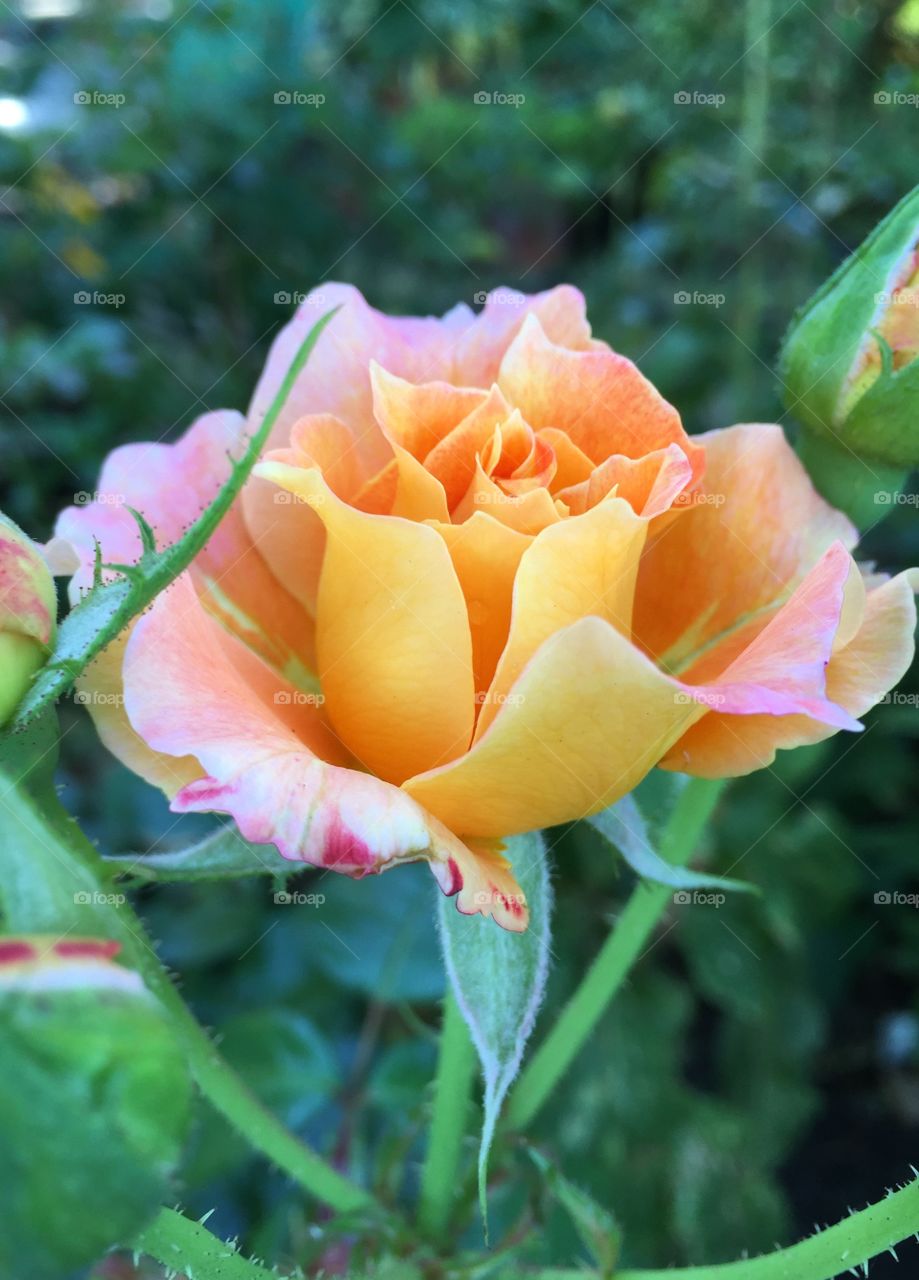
(761, 1071)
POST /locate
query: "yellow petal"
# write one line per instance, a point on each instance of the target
(587, 719)
(580, 567)
(393, 642)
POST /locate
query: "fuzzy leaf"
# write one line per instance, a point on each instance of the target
(595, 1225)
(220, 855)
(633, 825)
(499, 980)
(107, 608)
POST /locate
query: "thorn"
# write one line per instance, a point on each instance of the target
(209, 1213)
(892, 1250)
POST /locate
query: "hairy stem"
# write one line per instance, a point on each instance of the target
(622, 948)
(188, 1248)
(455, 1071)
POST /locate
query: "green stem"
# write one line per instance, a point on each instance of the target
(833, 1252)
(455, 1072)
(614, 960)
(186, 1247)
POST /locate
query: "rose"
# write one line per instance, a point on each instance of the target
(516, 581)
(28, 606)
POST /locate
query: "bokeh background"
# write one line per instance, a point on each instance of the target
(172, 176)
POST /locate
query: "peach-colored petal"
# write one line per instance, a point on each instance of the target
(485, 555)
(586, 720)
(651, 485)
(572, 465)
(575, 569)
(526, 512)
(481, 345)
(395, 654)
(599, 398)
(419, 416)
(171, 484)
(190, 687)
(727, 561)
(859, 675)
(453, 459)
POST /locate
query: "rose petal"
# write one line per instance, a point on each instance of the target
(395, 653)
(586, 720)
(191, 687)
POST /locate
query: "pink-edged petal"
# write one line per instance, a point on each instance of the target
(783, 669)
(734, 554)
(859, 675)
(191, 690)
(170, 485)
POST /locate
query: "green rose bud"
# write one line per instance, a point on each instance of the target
(28, 607)
(850, 370)
(94, 1104)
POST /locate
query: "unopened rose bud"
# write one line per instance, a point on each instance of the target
(28, 606)
(94, 1101)
(850, 370)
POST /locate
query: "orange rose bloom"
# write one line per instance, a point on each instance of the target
(481, 582)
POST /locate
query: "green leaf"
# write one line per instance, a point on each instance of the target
(499, 979)
(109, 607)
(633, 825)
(596, 1226)
(219, 855)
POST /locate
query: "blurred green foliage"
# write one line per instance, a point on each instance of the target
(761, 1070)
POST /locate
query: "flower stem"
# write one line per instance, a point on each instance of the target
(614, 960)
(841, 1248)
(187, 1247)
(455, 1072)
